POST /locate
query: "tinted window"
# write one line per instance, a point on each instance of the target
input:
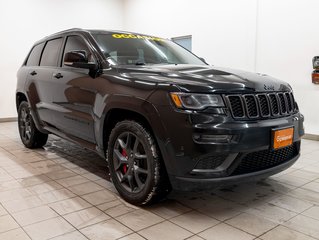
(34, 57)
(51, 52)
(74, 43)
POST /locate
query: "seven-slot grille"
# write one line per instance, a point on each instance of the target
(263, 105)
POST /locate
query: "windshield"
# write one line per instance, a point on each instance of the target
(132, 49)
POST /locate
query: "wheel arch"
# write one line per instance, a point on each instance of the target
(20, 97)
(131, 109)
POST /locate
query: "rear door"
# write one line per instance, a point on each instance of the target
(40, 74)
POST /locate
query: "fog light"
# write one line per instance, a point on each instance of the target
(204, 138)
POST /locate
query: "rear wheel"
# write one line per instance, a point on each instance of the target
(30, 136)
(135, 165)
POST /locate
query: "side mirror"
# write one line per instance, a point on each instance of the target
(78, 59)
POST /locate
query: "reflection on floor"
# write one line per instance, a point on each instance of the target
(63, 192)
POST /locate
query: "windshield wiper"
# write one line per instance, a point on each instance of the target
(140, 63)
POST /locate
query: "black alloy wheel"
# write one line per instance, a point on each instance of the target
(136, 168)
(30, 136)
(130, 162)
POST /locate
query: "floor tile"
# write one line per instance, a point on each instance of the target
(305, 174)
(99, 197)
(139, 219)
(306, 225)
(305, 194)
(109, 230)
(7, 223)
(118, 210)
(2, 211)
(284, 233)
(194, 221)
(34, 215)
(165, 230)
(86, 217)
(70, 181)
(44, 187)
(133, 236)
(55, 196)
(292, 180)
(169, 209)
(251, 224)
(22, 204)
(225, 232)
(195, 238)
(33, 180)
(221, 209)
(64, 173)
(291, 203)
(313, 186)
(85, 188)
(272, 213)
(69, 205)
(48, 229)
(16, 234)
(312, 212)
(70, 236)
(14, 194)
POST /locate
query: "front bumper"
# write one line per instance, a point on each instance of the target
(193, 165)
(197, 184)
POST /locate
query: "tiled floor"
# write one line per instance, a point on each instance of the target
(62, 192)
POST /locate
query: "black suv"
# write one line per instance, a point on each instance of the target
(159, 114)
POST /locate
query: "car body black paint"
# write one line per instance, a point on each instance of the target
(77, 107)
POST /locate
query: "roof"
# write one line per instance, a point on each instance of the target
(89, 31)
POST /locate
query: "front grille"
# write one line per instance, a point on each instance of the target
(259, 106)
(210, 162)
(261, 160)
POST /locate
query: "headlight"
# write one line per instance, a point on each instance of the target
(194, 101)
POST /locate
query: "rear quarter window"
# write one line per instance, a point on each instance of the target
(51, 52)
(34, 57)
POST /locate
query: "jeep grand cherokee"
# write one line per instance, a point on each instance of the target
(157, 113)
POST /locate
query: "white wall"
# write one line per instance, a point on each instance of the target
(288, 38)
(24, 22)
(277, 37)
(223, 31)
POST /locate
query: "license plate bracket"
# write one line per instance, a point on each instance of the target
(282, 137)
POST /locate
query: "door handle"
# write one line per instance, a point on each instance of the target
(33, 73)
(58, 75)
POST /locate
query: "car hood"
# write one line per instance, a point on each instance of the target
(202, 78)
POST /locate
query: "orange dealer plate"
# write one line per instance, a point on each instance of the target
(283, 137)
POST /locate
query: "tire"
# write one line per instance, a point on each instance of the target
(30, 136)
(135, 165)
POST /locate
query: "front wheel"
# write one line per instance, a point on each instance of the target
(136, 168)
(30, 136)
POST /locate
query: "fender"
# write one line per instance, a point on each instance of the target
(130, 103)
(33, 112)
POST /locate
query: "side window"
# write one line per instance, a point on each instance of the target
(34, 57)
(51, 53)
(74, 43)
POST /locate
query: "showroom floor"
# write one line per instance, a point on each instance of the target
(63, 192)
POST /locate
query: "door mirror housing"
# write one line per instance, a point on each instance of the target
(78, 59)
